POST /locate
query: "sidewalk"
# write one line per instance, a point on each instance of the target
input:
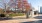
(19, 19)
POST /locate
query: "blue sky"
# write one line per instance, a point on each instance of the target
(1, 3)
(34, 3)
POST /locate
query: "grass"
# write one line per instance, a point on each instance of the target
(18, 14)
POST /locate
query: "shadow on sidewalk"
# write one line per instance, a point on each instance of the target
(27, 22)
(38, 17)
(39, 21)
(1, 19)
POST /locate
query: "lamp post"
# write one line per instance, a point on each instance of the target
(38, 10)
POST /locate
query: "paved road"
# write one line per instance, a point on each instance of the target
(39, 16)
(39, 21)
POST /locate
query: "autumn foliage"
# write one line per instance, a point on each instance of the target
(20, 4)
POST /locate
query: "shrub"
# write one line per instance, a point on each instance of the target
(18, 14)
(2, 15)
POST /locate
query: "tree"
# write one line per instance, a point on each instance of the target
(1, 11)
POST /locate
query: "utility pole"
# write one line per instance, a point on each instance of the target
(5, 7)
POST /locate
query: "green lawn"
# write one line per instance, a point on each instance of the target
(18, 14)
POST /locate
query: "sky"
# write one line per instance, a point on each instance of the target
(35, 3)
(1, 3)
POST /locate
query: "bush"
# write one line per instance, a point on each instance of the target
(2, 15)
(18, 14)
